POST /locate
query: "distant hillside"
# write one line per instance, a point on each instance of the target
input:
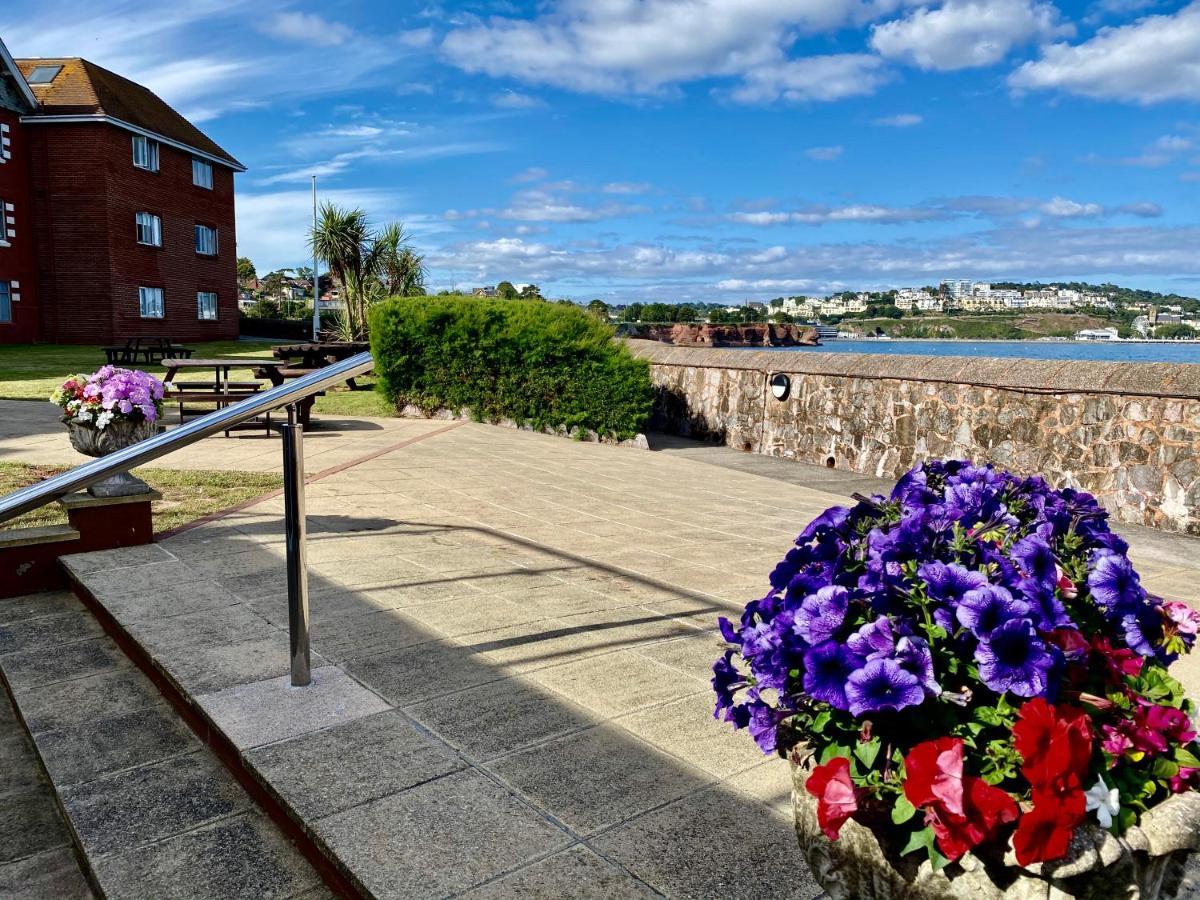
(1121, 295)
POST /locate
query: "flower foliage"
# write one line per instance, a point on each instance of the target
(110, 394)
(972, 661)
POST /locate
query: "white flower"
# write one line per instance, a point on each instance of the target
(103, 419)
(83, 416)
(1106, 802)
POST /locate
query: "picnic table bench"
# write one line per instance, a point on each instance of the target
(220, 390)
(312, 355)
(147, 349)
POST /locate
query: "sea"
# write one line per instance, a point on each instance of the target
(1101, 351)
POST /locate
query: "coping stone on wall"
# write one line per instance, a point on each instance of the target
(1056, 376)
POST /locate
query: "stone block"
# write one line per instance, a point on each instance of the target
(263, 712)
(29, 824)
(575, 874)
(439, 838)
(334, 769)
(134, 807)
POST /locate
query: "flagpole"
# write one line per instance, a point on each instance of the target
(316, 275)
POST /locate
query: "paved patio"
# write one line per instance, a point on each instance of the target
(32, 432)
(512, 636)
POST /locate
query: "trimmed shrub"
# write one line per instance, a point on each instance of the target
(540, 364)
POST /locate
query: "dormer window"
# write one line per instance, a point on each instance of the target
(42, 74)
(145, 153)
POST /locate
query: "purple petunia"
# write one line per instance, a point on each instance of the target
(882, 685)
(822, 614)
(826, 668)
(1113, 583)
(873, 639)
(987, 608)
(1013, 658)
(914, 656)
(1036, 559)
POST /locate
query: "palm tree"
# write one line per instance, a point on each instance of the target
(368, 265)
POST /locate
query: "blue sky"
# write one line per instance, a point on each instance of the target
(692, 149)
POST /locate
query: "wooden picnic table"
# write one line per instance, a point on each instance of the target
(313, 355)
(221, 391)
(151, 349)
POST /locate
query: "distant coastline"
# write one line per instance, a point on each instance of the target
(1099, 351)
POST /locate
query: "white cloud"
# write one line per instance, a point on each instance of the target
(1062, 208)
(962, 34)
(824, 154)
(859, 213)
(1152, 60)
(627, 187)
(517, 100)
(306, 28)
(902, 120)
(621, 47)
(548, 206)
(533, 173)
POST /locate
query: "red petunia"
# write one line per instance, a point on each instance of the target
(961, 809)
(1118, 661)
(836, 799)
(1055, 744)
(1044, 833)
(934, 774)
(985, 809)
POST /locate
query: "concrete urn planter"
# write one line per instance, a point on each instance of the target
(115, 436)
(1146, 863)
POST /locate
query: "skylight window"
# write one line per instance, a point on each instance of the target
(43, 74)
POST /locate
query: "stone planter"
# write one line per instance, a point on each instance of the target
(1146, 863)
(116, 436)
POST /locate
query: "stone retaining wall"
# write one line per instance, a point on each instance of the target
(1127, 432)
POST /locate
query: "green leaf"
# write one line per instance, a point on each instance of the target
(918, 840)
(833, 750)
(936, 859)
(1185, 757)
(868, 751)
(903, 810)
(820, 721)
(1164, 768)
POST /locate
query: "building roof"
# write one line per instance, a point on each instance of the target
(83, 88)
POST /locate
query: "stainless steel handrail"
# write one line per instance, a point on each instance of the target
(51, 489)
(288, 394)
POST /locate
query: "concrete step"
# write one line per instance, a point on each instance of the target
(150, 810)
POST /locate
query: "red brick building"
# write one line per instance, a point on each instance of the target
(119, 215)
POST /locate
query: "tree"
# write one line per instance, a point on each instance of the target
(633, 313)
(599, 309)
(1175, 331)
(531, 292)
(506, 291)
(369, 265)
(245, 270)
(686, 314)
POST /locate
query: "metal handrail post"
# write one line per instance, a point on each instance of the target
(295, 527)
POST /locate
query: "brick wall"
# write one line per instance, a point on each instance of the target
(87, 192)
(1127, 432)
(16, 206)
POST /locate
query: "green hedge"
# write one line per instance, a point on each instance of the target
(540, 364)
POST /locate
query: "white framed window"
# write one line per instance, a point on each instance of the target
(201, 173)
(5, 224)
(150, 302)
(6, 296)
(206, 240)
(145, 153)
(206, 305)
(149, 229)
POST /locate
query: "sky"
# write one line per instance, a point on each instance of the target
(676, 150)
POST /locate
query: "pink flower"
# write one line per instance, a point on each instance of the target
(1186, 619)
(1115, 742)
(1066, 586)
(1185, 779)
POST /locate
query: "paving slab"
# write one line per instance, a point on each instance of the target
(575, 874)
(597, 778)
(29, 824)
(240, 858)
(137, 806)
(327, 771)
(438, 838)
(263, 712)
(50, 875)
(70, 703)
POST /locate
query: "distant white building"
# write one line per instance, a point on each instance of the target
(957, 287)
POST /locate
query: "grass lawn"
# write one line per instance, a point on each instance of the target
(187, 495)
(33, 371)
